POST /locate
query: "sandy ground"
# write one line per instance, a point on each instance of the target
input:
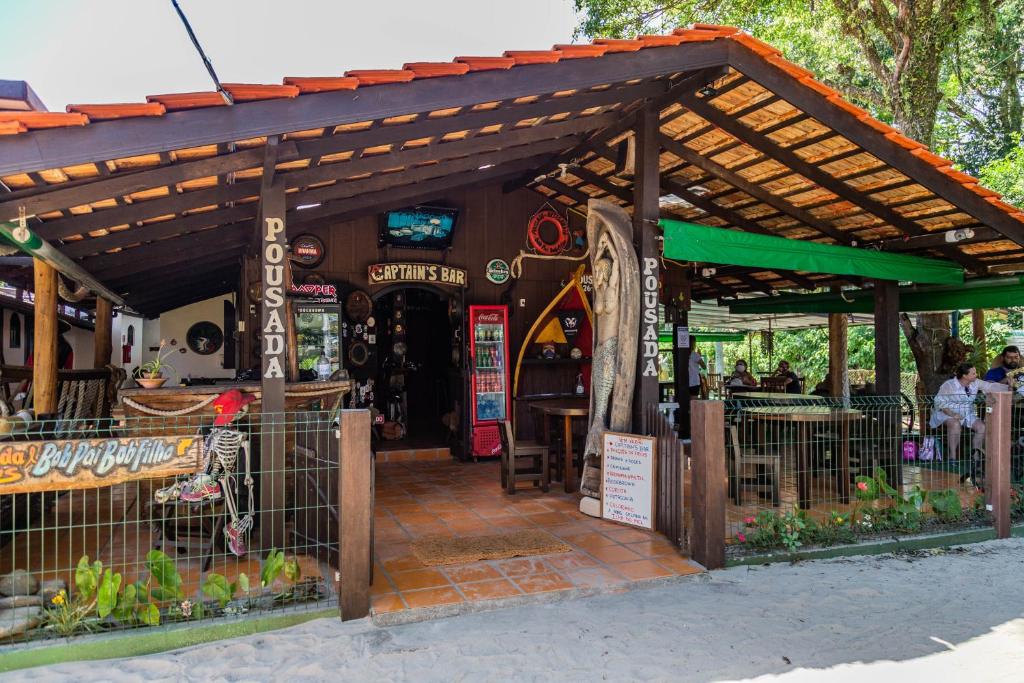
(953, 615)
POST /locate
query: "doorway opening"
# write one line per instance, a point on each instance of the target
(419, 373)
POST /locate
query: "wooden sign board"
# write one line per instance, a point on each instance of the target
(87, 463)
(425, 273)
(628, 471)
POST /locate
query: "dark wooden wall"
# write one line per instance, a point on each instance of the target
(491, 224)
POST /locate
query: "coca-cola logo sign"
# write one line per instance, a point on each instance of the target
(489, 318)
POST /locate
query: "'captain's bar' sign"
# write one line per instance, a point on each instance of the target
(429, 273)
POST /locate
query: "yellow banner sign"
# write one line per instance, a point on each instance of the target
(430, 273)
(87, 463)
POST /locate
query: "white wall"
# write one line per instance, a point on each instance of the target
(174, 325)
(82, 343)
(119, 336)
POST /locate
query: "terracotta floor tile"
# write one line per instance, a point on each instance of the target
(528, 507)
(389, 602)
(679, 565)
(652, 548)
(620, 535)
(488, 512)
(546, 519)
(478, 571)
(489, 590)
(380, 586)
(416, 518)
(431, 597)
(573, 560)
(455, 515)
(403, 563)
(418, 579)
(589, 540)
(510, 522)
(522, 566)
(543, 583)
(595, 577)
(642, 569)
(613, 553)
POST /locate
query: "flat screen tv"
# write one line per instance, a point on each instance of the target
(419, 227)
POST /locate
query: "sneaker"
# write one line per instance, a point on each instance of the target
(203, 487)
(168, 493)
(236, 539)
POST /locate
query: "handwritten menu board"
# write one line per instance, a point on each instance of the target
(627, 479)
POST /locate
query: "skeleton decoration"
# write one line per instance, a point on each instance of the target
(616, 326)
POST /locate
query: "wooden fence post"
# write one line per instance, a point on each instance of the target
(997, 460)
(355, 477)
(708, 483)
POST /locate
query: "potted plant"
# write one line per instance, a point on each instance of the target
(151, 372)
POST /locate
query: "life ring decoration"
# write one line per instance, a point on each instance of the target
(543, 243)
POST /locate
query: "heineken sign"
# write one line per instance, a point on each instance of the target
(420, 273)
(497, 271)
(86, 463)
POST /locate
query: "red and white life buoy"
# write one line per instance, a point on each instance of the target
(537, 241)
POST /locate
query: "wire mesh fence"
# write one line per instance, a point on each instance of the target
(135, 522)
(817, 471)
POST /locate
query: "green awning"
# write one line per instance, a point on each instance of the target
(981, 293)
(704, 337)
(702, 243)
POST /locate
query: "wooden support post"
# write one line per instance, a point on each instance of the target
(292, 344)
(355, 496)
(44, 364)
(102, 337)
(887, 376)
(997, 460)
(708, 483)
(838, 363)
(274, 335)
(646, 191)
(887, 338)
(681, 369)
(980, 343)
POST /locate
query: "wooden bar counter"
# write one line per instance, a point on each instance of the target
(198, 400)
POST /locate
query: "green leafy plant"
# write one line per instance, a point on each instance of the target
(163, 570)
(272, 567)
(69, 615)
(152, 369)
(946, 505)
(216, 587)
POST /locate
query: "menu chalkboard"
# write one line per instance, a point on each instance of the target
(627, 479)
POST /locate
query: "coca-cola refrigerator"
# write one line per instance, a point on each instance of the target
(489, 378)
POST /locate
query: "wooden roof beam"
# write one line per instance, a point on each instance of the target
(60, 147)
(816, 175)
(846, 124)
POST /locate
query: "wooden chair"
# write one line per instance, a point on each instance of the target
(774, 384)
(521, 461)
(769, 469)
(83, 397)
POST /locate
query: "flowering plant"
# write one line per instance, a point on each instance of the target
(153, 369)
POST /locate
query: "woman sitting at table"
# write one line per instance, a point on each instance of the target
(740, 377)
(955, 409)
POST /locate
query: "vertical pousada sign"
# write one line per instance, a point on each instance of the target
(649, 317)
(274, 329)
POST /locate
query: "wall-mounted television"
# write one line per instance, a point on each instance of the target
(419, 227)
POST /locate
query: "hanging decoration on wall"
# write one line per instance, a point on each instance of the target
(204, 338)
(570, 322)
(307, 251)
(358, 306)
(497, 271)
(548, 232)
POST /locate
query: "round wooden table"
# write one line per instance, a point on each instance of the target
(567, 409)
(805, 417)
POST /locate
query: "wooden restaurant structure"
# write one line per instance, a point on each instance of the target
(162, 203)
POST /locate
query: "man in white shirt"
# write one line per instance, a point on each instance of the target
(955, 407)
(696, 364)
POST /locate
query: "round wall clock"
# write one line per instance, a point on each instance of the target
(358, 306)
(204, 338)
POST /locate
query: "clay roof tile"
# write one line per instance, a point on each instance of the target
(189, 100)
(105, 112)
(34, 120)
(251, 92)
(620, 45)
(524, 57)
(436, 69)
(381, 76)
(312, 84)
(581, 51)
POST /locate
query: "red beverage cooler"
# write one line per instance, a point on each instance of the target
(489, 379)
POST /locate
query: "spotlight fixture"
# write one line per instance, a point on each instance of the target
(959, 235)
(707, 91)
(708, 272)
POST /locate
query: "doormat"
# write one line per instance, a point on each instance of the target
(435, 550)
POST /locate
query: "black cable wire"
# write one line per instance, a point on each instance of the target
(209, 66)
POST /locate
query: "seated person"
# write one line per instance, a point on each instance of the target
(792, 381)
(955, 408)
(824, 387)
(1006, 370)
(740, 377)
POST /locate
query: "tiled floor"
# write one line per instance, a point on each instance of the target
(417, 499)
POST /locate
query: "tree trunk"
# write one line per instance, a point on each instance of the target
(936, 352)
